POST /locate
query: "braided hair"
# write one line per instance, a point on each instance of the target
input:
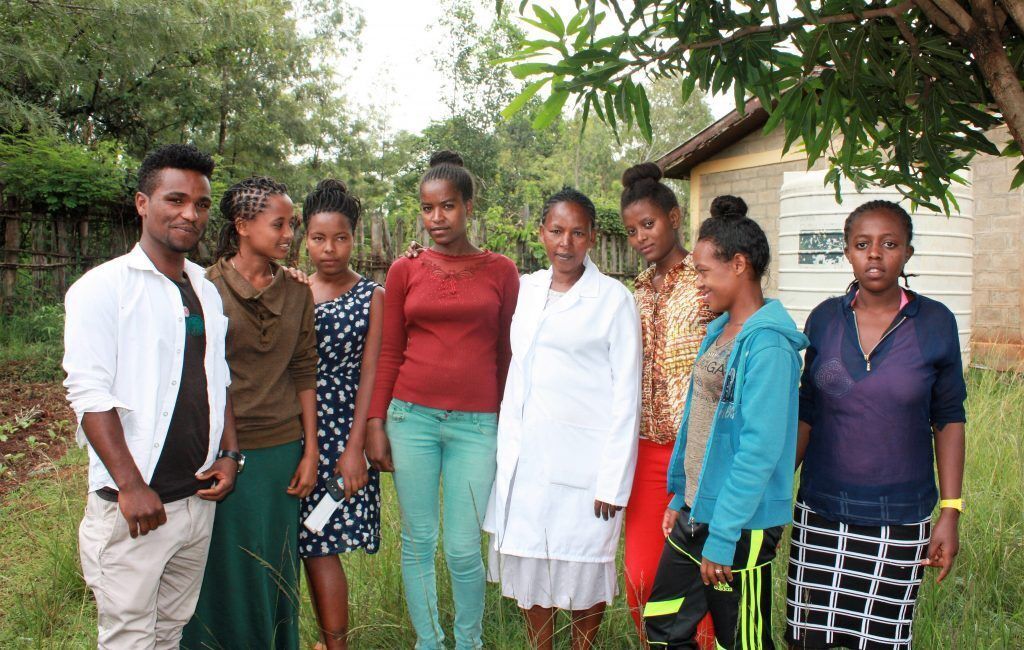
(447, 165)
(243, 200)
(643, 182)
(732, 232)
(331, 195)
(570, 195)
(894, 209)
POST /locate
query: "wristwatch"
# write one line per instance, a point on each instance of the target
(236, 456)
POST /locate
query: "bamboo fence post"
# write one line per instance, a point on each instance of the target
(61, 272)
(12, 244)
(39, 240)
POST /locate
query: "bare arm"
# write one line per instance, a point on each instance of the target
(392, 351)
(303, 370)
(304, 478)
(352, 464)
(229, 439)
(803, 436)
(224, 470)
(950, 451)
(140, 505)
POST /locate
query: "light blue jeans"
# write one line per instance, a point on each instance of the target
(432, 448)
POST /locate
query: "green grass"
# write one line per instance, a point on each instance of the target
(44, 604)
(31, 345)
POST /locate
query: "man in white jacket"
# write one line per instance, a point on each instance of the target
(147, 379)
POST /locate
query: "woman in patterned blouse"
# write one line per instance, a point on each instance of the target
(673, 320)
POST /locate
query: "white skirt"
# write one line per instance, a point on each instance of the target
(562, 584)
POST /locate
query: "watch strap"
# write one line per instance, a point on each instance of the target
(230, 453)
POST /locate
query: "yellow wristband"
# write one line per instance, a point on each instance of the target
(956, 504)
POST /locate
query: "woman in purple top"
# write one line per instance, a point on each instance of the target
(882, 390)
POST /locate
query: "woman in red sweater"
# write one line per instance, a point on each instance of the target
(440, 378)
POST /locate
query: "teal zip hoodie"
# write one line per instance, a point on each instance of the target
(746, 481)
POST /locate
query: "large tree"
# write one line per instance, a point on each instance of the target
(894, 92)
(247, 79)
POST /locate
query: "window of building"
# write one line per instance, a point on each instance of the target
(821, 247)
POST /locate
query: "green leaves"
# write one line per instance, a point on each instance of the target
(587, 63)
(1018, 177)
(843, 84)
(238, 77)
(551, 108)
(61, 178)
(522, 98)
(550, 20)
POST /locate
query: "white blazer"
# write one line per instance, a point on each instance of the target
(569, 421)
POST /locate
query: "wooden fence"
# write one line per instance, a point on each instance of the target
(43, 254)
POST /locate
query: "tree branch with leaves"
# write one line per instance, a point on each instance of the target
(893, 93)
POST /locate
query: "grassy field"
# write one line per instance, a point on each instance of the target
(43, 602)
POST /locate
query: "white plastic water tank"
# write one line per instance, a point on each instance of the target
(811, 262)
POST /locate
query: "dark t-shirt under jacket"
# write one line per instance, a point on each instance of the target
(188, 435)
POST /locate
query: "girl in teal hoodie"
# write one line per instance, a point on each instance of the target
(731, 472)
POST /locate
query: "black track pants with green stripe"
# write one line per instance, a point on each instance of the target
(740, 610)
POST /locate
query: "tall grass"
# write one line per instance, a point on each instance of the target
(31, 344)
(43, 601)
(981, 605)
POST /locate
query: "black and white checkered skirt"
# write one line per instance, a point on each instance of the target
(853, 586)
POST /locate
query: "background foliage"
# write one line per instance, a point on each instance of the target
(86, 89)
(892, 92)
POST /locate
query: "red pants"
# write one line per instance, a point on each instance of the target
(644, 537)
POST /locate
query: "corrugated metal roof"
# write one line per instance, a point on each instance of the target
(725, 132)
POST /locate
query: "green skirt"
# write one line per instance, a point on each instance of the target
(250, 593)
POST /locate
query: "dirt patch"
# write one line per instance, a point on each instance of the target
(36, 428)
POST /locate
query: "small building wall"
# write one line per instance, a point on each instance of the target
(753, 167)
(749, 169)
(998, 261)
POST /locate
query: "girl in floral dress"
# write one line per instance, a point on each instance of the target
(348, 331)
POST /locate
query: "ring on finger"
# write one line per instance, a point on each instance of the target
(718, 570)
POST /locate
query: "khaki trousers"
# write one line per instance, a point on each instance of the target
(146, 588)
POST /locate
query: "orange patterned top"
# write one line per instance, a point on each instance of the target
(674, 321)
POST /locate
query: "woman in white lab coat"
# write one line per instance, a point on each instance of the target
(567, 435)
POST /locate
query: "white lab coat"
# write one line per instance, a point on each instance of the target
(569, 421)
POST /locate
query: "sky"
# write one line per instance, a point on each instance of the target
(395, 71)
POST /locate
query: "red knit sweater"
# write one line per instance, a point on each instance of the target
(446, 342)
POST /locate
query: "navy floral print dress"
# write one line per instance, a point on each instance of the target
(341, 326)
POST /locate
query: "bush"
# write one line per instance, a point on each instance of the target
(61, 178)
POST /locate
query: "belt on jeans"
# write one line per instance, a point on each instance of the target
(107, 494)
